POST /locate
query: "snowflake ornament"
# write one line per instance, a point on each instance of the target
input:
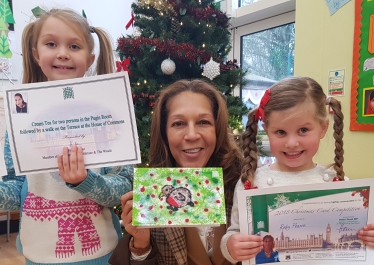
(211, 69)
(136, 32)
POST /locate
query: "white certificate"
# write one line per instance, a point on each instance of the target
(96, 113)
(310, 224)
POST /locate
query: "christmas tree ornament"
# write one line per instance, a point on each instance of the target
(161, 6)
(136, 32)
(211, 69)
(175, 26)
(168, 66)
(131, 21)
(123, 66)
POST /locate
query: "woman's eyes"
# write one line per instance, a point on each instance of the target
(177, 124)
(180, 123)
(205, 122)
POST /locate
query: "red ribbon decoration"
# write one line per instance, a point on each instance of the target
(260, 113)
(131, 21)
(248, 185)
(123, 66)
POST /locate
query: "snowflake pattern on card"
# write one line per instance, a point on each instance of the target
(280, 201)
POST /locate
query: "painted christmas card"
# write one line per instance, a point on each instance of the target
(178, 197)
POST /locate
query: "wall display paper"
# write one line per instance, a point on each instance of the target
(362, 89)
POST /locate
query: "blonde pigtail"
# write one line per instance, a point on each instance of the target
(105, 60)
(250, 149)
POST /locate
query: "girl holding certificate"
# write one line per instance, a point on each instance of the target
(294, 116)
(67, 216)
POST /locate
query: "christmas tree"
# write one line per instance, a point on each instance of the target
(173, 40)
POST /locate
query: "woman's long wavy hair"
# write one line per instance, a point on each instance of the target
(226, 153)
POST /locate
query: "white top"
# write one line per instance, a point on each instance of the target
(319, 174)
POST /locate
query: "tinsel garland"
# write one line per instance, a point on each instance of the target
(172, 8)
(202, 13)
(149, 98)
(166, 47)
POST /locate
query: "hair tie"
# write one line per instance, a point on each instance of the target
(328, 100)
(260, 112)
(92, 29)
(248, 185)
(38, 11)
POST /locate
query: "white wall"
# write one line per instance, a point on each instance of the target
(112, 15)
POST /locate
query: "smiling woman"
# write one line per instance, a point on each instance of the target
(21, 105)
(189, 129)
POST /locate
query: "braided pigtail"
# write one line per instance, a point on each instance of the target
(338, 135)
(250, 149)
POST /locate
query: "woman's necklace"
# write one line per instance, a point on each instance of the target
(267, 254)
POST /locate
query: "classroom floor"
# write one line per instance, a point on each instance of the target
(9, 255)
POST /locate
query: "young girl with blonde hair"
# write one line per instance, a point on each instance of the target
(295, 119)
(67, 216)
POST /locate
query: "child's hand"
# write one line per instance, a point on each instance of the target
(142, 236)
(366, 234)
(244, 247)
(72, 170)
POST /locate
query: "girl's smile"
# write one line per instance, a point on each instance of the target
(61, 52)
(294, 136)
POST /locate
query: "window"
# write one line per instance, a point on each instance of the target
(268, 55)
(263, 43)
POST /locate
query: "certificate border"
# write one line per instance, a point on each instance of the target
(242, 194)
(84, 80)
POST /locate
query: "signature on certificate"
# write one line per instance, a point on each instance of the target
(343, 228)
(81, 136)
